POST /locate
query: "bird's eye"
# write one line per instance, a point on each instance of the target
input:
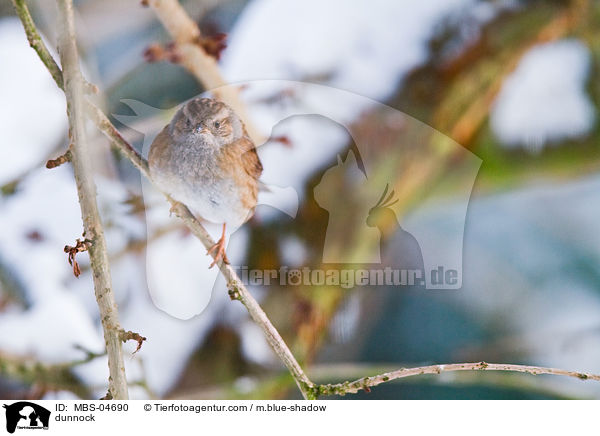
(217, 124)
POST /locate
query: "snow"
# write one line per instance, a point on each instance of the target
(60, 396)
(33, 112)
(254, 345)
(46, 203)
(544, 101)
(293, 251)
(28, 333)
(365, 47)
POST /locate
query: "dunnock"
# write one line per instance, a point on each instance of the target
(205, 159)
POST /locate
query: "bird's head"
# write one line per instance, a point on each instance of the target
(206, 121)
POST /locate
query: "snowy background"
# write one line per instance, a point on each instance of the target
(530, 256)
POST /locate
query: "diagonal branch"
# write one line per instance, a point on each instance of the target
(235, 285)
(86, 190)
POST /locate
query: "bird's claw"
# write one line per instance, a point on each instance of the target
(220, 252)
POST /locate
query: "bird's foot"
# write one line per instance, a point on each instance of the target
(219, 249)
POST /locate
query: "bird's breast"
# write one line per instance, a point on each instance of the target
(196, 175)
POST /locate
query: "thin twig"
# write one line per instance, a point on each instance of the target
(237, 288)
(63, 158)
(86, 190)
(106, 127)
(366, 383)
(133, 336)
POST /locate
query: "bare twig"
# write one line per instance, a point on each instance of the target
(176, 20)
(133, 336)
(106, 127)
(366, 383)
(63, 158)
(237, 288)
(86, 190)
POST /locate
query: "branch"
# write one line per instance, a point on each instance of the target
(63, 158)
(176, 20)
(366, 383)
(239, 292)
(86, 190)
(193, 56)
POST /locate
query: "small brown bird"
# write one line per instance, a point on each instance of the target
(205, 159)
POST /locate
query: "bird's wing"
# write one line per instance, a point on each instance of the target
(250, 159)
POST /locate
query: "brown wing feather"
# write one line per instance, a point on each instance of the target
(252, 163)
(244, 150)
(241, 161)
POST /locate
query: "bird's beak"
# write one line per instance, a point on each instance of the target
(204, 131)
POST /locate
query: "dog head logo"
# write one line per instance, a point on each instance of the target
(26, 415)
